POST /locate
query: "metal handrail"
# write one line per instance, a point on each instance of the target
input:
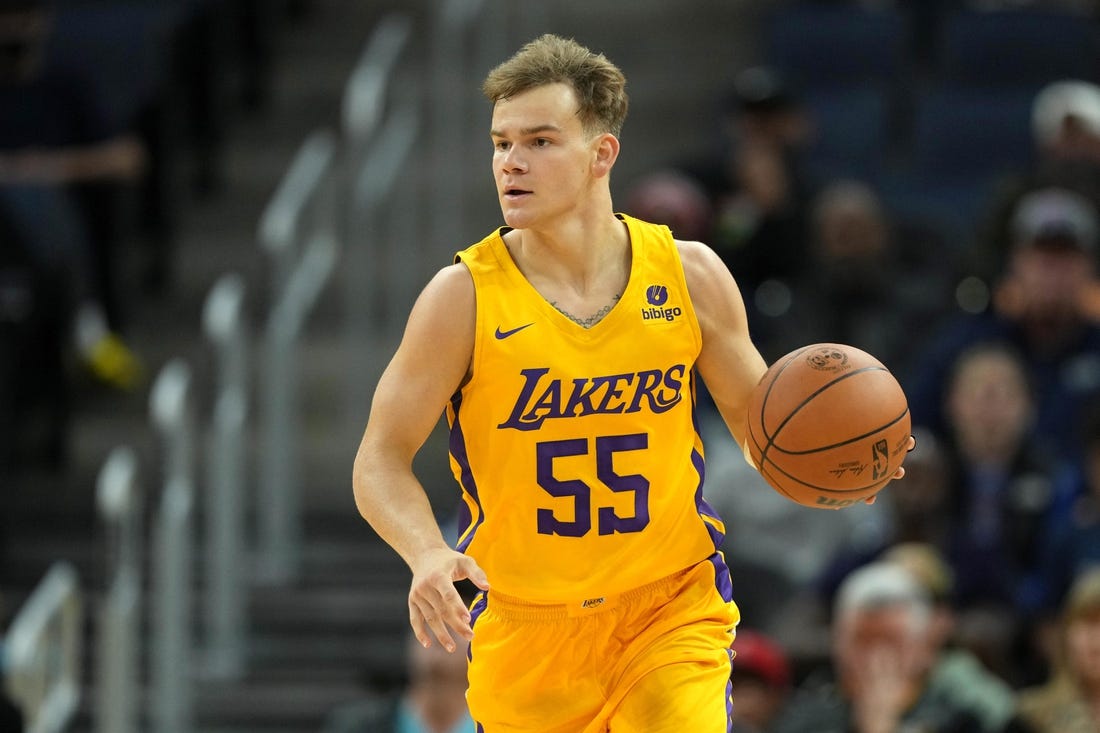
(313, 249)
(171, 698)
(364, 96)
(280, 512)
(119, 501)
(225, 600)
(44, 649)
(284, 217)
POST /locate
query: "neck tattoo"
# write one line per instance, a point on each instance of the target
(593, 319)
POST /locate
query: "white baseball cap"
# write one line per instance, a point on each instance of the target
(1055, 213)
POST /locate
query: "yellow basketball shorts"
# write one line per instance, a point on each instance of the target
(654, 659)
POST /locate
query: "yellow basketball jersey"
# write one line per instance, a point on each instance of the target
(577, 450)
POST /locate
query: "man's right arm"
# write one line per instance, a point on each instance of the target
(429, 365)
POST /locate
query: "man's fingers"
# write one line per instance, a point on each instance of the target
(439, 628)
(473, 572)
(439, 612)
(436, 608)
(420, 629)
(430, 622)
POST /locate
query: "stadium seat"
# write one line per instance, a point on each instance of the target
(1015, 48)
(819, 45)
(964, 133)
(852, 131)
(965, 141)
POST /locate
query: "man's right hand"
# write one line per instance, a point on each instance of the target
(434, 602)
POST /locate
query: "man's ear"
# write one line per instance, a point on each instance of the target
(606, 153)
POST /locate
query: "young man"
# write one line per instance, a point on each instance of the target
(564, 348)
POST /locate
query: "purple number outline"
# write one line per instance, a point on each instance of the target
(608, 521)
(606, 447)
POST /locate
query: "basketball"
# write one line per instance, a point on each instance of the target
(828, 425)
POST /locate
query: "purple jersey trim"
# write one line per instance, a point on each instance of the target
(722, 582)
(466, 478)
(699, 462)
(729, 699)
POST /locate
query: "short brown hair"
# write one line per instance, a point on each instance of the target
(599, 85)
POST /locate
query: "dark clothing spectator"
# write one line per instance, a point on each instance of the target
(1039, 309)
(820, 707)
(1062, 380)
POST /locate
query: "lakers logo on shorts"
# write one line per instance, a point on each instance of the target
(592, 603)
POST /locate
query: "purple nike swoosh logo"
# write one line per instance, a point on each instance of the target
(505, 334)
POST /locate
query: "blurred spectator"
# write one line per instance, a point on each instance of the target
(1070, 701)
(61, 253)
(913, 511)
(59, 161)
(1074, 544)
(754, 180)
(956, 674)
(761, 680)
(1065, 124)
(883, 651)
(1006, 488)
(671, 198)
(1037, 309)
(432, 701)
(851, 289)
(1007, 493)
(34, 318)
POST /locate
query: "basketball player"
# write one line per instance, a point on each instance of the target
(565, 349)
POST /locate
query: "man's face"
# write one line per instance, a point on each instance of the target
(1083, 649)
(542, 158)
(989, 403)
(869, 642)
(1051, 277)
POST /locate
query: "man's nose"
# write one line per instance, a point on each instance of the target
(510, 160)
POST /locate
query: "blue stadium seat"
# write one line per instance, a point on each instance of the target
(965, 141)
(1015, 48)
(816, 45)
(852, 132)
(965, 133)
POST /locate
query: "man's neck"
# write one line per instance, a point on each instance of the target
(578, 254)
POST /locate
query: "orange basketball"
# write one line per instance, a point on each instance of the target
(828, 425)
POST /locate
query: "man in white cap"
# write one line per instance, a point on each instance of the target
(1039, 309)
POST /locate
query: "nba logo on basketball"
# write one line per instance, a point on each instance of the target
(880, 457)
